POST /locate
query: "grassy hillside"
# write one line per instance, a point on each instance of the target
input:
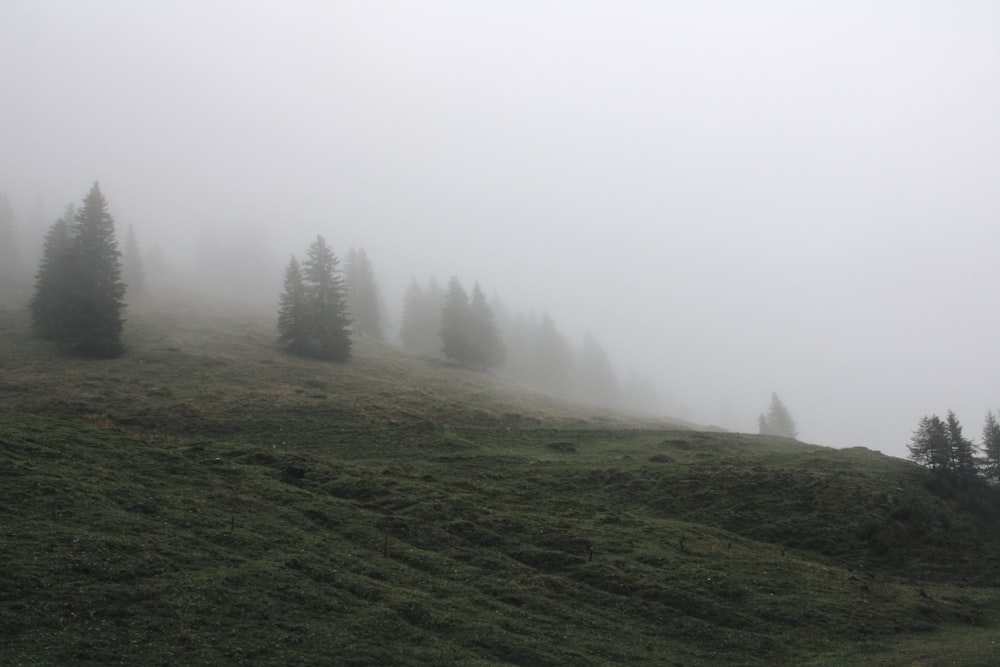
(207, 499)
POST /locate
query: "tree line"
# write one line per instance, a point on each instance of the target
(940, 445)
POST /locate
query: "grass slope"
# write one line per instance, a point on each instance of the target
(207, 499)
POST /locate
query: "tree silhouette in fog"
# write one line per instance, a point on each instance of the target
(420, 328)
(79, 294)
(363, 301)
(778, 420)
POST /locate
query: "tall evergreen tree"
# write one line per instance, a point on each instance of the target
(929, 446)
(420, 327)
(486, 348)
(962, 450)
(778, 420)
(93, 321)
(363, 302)
(329, 322)
(455, 323)
(552, 359)
(294, 321)
(49, 301)
(991, 447)
(133, 269)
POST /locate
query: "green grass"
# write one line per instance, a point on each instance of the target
(206, 499)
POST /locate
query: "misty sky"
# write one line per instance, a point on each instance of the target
(735, 197)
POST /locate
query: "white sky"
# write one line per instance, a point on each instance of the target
(735, 197)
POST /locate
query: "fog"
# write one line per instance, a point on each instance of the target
(734, 197)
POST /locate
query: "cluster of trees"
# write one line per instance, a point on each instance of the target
(312, 315)
(940, 445)
(79, 292)
(527, 348)
(778, 420)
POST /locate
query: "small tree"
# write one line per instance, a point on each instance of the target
(930, 445)
(455, 323)
(486, 349)
(49, 301)
(991, 447)
(962, 450)
(329, 334)
(363, 301)
(778, 420)
(294, 322)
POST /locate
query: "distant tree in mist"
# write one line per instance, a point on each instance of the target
(11, 261)
(596, 381)
(455, 323)
(486, 348)
(929, 446)
(363, 301)
(79, 294)
(962, 451)
(778, 420)
(329, 335)
(294, 313)
(133, 267)
(420, 328)
(550, 358)
(991, 447)
(52, 281)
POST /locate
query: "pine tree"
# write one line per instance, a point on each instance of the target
(329, 335)
(455, 323)
(133, 271)
(486, 348)
(929, 446)
(93, 312)
(962, 450)
(294, 313)
(363, 301)
(48, 303)
(552, 360)
(778, 420)
(420, 326)
(991, 447)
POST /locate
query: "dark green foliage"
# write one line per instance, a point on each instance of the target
(294, 311)
(363, 301)
(963, 452)
(52, 279)
(313, 320)
(486, 349)
(133, 268)
(420, 328)
(778, 420)
(79, 294)
(929, 445)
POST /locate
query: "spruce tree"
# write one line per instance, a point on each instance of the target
(329, 335)
(363, 301)
(778, 420)
(929, 446)
(93, 313)
(485, 346)
(991, 447)
(49, 301)
(455, 323)
(294, 320)
(962, 450)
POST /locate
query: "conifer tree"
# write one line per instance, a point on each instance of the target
(363, 301)
(329, 335)
(596, 380)
(991, 447)
(486, 348)
(294, 314)
(455, 323)
(49, 301)
(962, 450)
(778, 420)
(93, 313)
(929, 446)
